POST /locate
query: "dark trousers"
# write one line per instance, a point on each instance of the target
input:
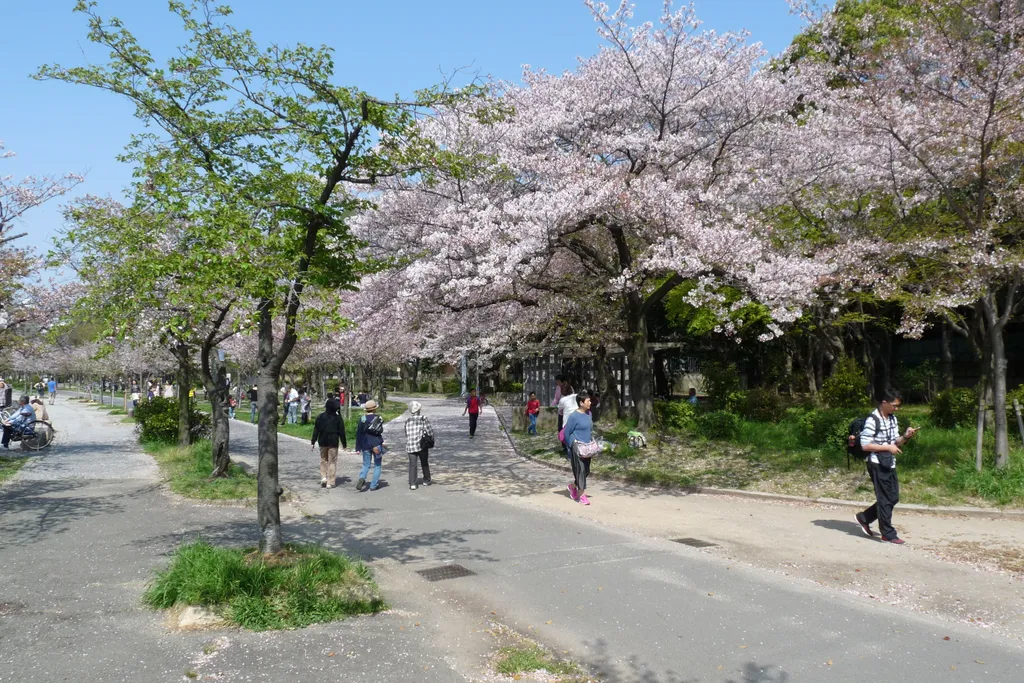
(7, 435)
(422, 457)
(580, 470)
(473, 417)
(561, 420)
(887, 494)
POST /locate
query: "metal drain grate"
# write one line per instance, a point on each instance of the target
(694, 542)
(448, 571)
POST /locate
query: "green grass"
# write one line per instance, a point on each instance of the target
(303, 585)
(9, 467)
(188, 471)
(518, 660)
(389, 411)
(936, 467)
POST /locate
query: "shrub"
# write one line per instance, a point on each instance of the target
(717, 424)
(451, 387)
(157, 420)
(919, 382)
(957, 407)
(764, 405)
(678, 415)
(736, 402)
(827, 428)
(720, 380)
(847, 386)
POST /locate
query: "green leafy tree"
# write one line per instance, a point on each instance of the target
(265, 130)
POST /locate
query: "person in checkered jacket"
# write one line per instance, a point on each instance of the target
(416, 428)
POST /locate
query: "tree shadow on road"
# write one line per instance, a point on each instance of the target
(353, 532)
(634, 670)
(32, 511)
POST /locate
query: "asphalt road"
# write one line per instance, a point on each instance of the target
(80, 537)
(631, 607)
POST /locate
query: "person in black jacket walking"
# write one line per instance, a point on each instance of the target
(329, 429)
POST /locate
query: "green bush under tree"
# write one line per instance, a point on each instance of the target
(156, 420)
(718, 424)
(847, 386)
(957, 407)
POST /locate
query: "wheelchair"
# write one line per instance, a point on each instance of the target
(37, 437)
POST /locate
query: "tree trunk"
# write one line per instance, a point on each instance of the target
(611, 403)
(184, 409)
(947, 356)
(998, 383)
(641, 380)
(661, 380)
(268, 495)
(217, 392)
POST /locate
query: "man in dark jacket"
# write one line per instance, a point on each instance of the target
(329, 430)
(254, 407)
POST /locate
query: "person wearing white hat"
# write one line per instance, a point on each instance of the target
(419, 439)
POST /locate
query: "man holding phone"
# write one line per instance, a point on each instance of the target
(881, 440)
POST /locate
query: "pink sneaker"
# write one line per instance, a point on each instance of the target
(572, 491)
(584, 500)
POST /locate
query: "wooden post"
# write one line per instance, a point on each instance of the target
(1020, 422)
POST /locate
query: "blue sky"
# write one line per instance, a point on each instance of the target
(382, 47)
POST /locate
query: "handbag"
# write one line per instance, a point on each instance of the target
(586, 450)
(426, 441)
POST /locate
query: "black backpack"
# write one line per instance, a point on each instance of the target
(853, 447)
(374, 426)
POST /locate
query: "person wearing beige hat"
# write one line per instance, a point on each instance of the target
(370, 442)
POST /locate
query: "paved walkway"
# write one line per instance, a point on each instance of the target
(83, 528)
(606, 583)
(603, 583)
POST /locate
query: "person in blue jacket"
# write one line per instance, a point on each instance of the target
(370, 442)
(579, 426)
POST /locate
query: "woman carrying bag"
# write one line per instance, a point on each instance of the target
(579, 439)
(419, 439)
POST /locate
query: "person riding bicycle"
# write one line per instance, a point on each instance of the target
(22, 421)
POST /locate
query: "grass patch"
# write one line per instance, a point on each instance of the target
(389, 411)
(936, 468)
(188, 471)
(303, 585)
(10, 466)
(518, 660)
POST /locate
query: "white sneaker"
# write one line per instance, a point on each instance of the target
(413, 487)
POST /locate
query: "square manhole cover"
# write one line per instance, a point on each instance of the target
(694, 542)
(448, 571)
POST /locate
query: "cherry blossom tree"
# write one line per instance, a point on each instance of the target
(928, 126)
(18, 197)
(601, 190)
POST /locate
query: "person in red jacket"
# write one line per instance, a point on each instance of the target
(532, 411)
(473, 408)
